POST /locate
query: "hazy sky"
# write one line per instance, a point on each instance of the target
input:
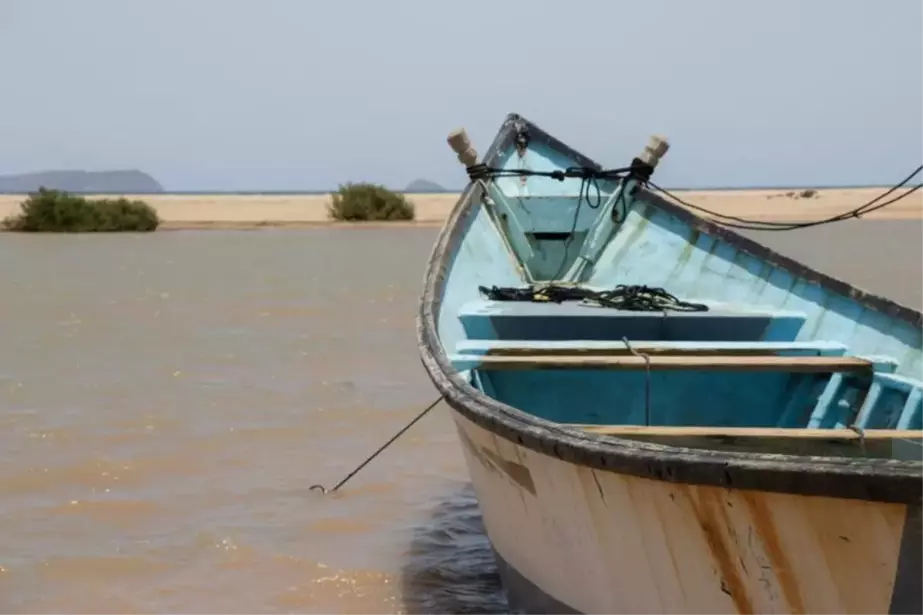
(304, 94)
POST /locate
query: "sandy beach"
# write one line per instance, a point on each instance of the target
(223, 211)
(243, 211)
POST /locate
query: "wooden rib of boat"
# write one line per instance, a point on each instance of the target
(758, 450)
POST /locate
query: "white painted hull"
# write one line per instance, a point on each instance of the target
(603, 542)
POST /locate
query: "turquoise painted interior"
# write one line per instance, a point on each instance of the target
(545, 221)
(521, 232)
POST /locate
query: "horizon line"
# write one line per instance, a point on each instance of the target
(304, 192)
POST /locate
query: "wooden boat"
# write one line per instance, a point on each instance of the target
(748, 442)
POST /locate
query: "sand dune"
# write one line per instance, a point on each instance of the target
(252, 211)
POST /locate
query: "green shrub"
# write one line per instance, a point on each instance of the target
(354, 202)
(54, 211)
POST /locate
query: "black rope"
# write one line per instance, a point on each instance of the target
(583, 195)
(642, 172)
(647, 379)
(325, 491)
(590, 179)
(861, 433)
(766, 225)
(482, 171)
(634, 298)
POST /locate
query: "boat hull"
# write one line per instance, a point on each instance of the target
(573, 539)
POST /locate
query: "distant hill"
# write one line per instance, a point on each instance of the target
(423, 185)
(97, 182)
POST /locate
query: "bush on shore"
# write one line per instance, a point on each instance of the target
(368, 202)
(54, 211)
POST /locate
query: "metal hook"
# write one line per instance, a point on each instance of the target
(336, 487)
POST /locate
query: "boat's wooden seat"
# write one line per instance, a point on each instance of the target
(572, 320)
(898, 443)
(659, 362)
(609, 348)
(670, 431)
(885, 400)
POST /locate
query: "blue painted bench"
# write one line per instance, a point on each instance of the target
(824, 388)
(571, 320)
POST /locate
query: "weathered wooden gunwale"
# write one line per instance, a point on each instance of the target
(806, 433)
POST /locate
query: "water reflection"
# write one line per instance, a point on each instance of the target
(450, 566)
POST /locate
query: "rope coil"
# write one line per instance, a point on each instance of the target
(629, 297)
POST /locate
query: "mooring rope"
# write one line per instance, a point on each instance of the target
(325, 491)
(630, 297)
(647, 380)
(642, 172)
(861, 433)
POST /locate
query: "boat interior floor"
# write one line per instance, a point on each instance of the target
(725, 368)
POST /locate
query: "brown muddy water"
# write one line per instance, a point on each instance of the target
(166, 400)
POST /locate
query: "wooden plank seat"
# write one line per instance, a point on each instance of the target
(729, 363)
(572, 320)
(612, 347)
(669, 431)
(906, 444)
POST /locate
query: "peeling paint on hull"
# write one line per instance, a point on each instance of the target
(593, 541)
